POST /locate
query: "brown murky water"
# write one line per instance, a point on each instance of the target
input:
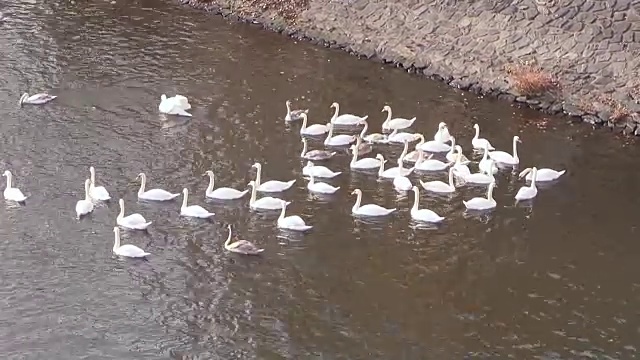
(557, 280)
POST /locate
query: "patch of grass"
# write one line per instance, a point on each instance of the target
(529, 79)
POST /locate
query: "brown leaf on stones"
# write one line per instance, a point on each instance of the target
(530, 79)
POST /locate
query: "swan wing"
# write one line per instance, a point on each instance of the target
(83, 207)
(268, 203)
(157, 194)
(227, 193)
(14, 194)
(275, 185)
(99, 193)
(131, 251)
(373, 210)
(426, 215)
(349, 119)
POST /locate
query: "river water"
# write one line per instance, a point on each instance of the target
(555, 280)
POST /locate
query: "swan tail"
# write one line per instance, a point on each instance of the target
(364, 118)
(561, 172)
(182, 112)
(290, 183)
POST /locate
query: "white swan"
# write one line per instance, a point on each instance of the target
(132, 221)
(481, 203)
(424, 215)
(373, 137)
(397, 123)
(442, 135)
(153, 194)
(460, 169)
(402, 183)
(430, 164)
(528, 192)
(243, 247)
(36, 99)
(394, 171)
(222, 193)
(320, 187)
(487, 164)
(84, 206)
(11, 193)
(127, 250)
(478, 142)
(338, 140)
(401, 137)
(315, 154)
(364, 163)
(264, 203)
(271, 185)
(293, 222)
(368, 209)
(346, 119)
(363, 147)
(312, 130)
(482, 177)
(319, 171)
(506, 158)
(414, 155)
(97, 192)
(293, 115)
(439, 186)
(174, 105)
(543, 174)
(193, 210)
(452, 155)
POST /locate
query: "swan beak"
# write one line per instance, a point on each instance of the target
(519, 140)
(205, 174)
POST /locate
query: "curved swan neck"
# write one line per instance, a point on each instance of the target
(356, 206)
(381, 169)
(416, 199)
(515, 148)
(364, 130)
(121, 214)
(143, 183)
(451, 177)
(304, 147)
(335, 113)
(485, 155)
(534, 175)
(211, 182)
(388, 110)
(226, 243)
(288, 108)
(116, 241)
(87, 195)
(253, 193)
(490, 192)
(403, 154)
(477, 133)
(9, 180)
(420, 157)
(185, 197)
(93, 175)
(304, 120)
(330, 133)
(258, 171)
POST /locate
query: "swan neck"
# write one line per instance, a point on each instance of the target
(304, 147)
(354, 158)
(515, 149)
(330, 133)
(253, 194)
(116, 241)
(477, 133)
(356, 206)
(364, 130)
(381, 169)
(93, 176)
(335, 113)
(388, 116)
(416, 200)
(451, 177)
(211, 182)
(288, 109)
(534, 175)
(304, 120)
(281, 217)
(485, 155)
(258, 173)
(185, 196)
(226, 243)
(8, 180)
(490, 193)
(143, 180)
(121, 214)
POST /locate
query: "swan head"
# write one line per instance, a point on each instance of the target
(116, 230)
(356, 192)
(516, 138)
(476, 126)
(458, 149)
(252, 183)
(185, 191)
(309, 164)
(442, 126)
(381, 158)
(23, 98)
(121, 203)
(141, 175)
(163, 97)
(334, 105)
(258, 166)
(386, 108)
(303, 116)
(288, 102)
(6, 173)
(208, 172)
(284, 203)
(414, 189)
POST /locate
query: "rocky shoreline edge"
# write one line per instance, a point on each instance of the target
(522, 82)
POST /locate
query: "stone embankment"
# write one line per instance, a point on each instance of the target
(578, 57)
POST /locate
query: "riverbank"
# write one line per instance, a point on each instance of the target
(580, 58)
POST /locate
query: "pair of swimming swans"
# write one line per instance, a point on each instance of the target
(175, 105)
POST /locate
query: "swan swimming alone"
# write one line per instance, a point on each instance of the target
(243, 247)
(424, 215)
(84, 206)
(294, 115)
(153, 194)
(271, 185)
(126, 250)
(368, 209)
(11, 193)
(293, 222)
(132, 221)
(36, 99)
(97, 192)
(196, 211)
(177, 105)
(222, 193)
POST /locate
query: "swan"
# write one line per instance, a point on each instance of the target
(346, 119)
(364, 163)
(414, 155)
(313, 130)
(36, 99)
(543, 174)
(264, 203)
(363, 148)
(373, 137)
(402, 183)
(182, 101)
(442, 135)
(528, 192)
(478, 142)
(293, 115)
(153, 194)
(506, 158)
(439, 186)
(320, 187)
(482, 177)
(394, 171)
(243, 247)
(430, 164)
(293, 222)
(132, 221)
(271, 185)
(486, 165)
(173, 105)
(458, 167)
(319, 171)
(315, 154)
(424, 215)
(397, 123)
(437, 145)
(223, 193)
(11, 193)
(481, 203)
(338, 140)
(97, 192)
(451, 155)
(368, 209)
(127, 250)
(84, 206)
(193, 210)
(401, 137)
